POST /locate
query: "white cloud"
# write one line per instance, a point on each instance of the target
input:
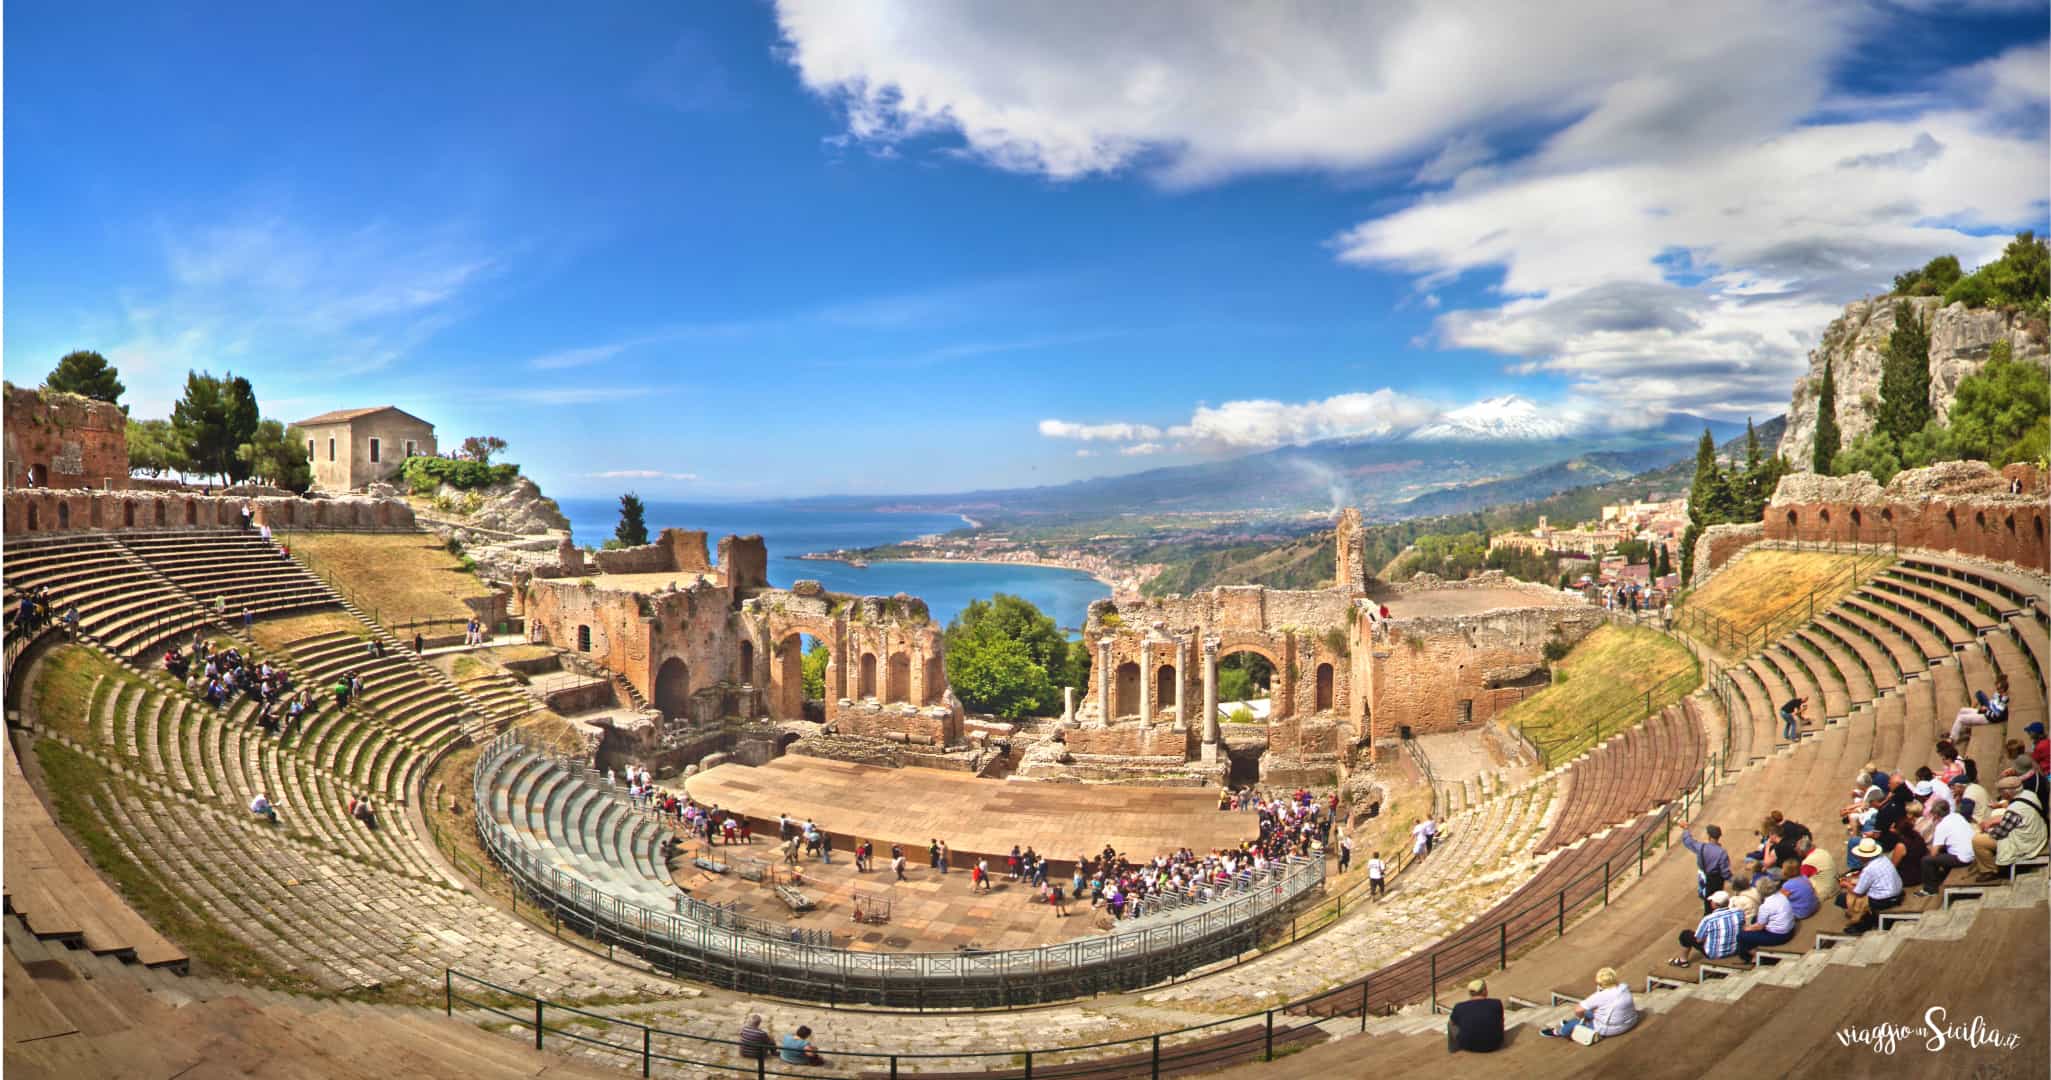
(1085, 452)
(641, 474)
(1259, 424)
(1141, 449)
(1195, 92)
(1115, 432)
(1699, 280)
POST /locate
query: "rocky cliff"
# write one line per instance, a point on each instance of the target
(1855, 345)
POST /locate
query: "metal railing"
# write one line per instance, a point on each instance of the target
(742, 957)
(1245, 1037)
(1627, 714)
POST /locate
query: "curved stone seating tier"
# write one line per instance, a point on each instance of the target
(120, 601)
(73, 1014)
(1628, 775)
(2008, 590)
(591, 860)
(420, 709)
(220, 755)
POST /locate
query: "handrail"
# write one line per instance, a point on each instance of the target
(1160, 1051)
(1802, 609)
(717, 949)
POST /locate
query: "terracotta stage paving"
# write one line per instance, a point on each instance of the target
(975, 817)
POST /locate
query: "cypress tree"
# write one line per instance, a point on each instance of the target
(1905, 377)
(1827, 438)
(633, 527)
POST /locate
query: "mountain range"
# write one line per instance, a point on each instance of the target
(1499, 450)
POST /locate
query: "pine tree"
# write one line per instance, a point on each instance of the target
(1905, 376)
(1827, 438)
(633, 527)
(1700, 493)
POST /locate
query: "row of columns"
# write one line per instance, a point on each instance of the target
(1107, 686)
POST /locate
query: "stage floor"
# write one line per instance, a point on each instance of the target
(914, 806)
(929, 911)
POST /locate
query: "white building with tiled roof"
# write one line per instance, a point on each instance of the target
(354, 447)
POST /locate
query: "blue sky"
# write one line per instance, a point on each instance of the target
(751, 250)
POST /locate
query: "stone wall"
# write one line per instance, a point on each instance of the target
(1455, 673)
(1132, 739)
(744, 563)
(1960, 506)
(674, 551)
(40, 510)
(59, 440)
(1719, 544)
(675, 646)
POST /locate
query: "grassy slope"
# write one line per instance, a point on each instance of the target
(63, 690)
(402, 576)
(1762, 583)
(1603, 680)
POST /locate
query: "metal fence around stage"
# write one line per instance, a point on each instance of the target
(713, 945)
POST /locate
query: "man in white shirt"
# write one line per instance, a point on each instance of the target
(1610, 1010)
(1951, 847)
(1420, 839)
(261, 807)
(1377, 872)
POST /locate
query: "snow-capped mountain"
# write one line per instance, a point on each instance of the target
(1506, 417)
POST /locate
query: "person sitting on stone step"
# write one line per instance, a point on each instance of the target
(1606, 1013)
(2016, 834)
(261, 807)
(1773, 925)
(1716, 935)
(1476, 1024)
(1874, 889)
(796, 1048)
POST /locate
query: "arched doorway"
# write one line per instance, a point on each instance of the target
(898, 683)
(865, 686)
(1244, 675)
(1126, 699)
(35, 517)
(38, 476)
(1324, 687)
(797, 677)
(162, 511)
(672, 688)
(583, 639)
(1164, 688)
(128, 514)
(64, 515)
(747, 675)
(191, 512)
(936, 681)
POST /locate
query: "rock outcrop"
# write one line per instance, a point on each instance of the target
(1855, 345)
(518, 507)
(512, 530)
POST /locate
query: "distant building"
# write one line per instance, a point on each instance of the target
(351, 448)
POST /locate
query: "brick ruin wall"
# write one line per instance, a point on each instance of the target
(1134, 739)
(674, 550)
(40, 510)
(710, 646)
(1964, 507)
(1424, 668)
(63, 440)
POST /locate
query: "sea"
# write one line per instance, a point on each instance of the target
(790, 531)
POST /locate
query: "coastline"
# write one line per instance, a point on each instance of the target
(1041, 563)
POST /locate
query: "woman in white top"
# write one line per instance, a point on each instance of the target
(1608, 1011)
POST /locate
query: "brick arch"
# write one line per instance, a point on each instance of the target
(672, 687)
(865, 679)
(897, 677)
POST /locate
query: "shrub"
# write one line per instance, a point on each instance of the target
(424, 474)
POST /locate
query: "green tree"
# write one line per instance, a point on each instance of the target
(1243, 676)
(276, 455)
(1905, 376)
(154, 449)
(200, 422)
(1005, 656)
(1933, 279)
(1665, 562)
(2002, 412)
(1827, 438)
(995, 674)
(2020, 278)
(633, 527)
(812, 670)
(86, 372)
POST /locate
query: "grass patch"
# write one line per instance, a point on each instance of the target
(64, 689)
(1606, 678)
(276, 634)
(397, 576)
(1761, 584)
(70, 778)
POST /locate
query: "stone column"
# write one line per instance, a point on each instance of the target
(1068, 704)
(1146, 682)
(1211, 733)
(1181, 677)
(1104, 679)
